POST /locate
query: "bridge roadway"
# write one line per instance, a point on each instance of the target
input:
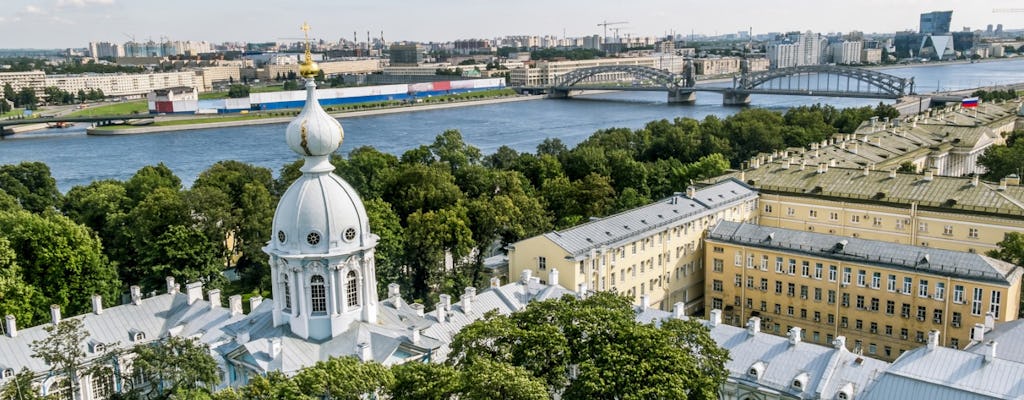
(723, 90)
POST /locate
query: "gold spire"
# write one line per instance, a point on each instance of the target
(308, 69)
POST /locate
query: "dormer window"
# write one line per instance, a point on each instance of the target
(138, 337)
(842, 396)
(96, 347)
(756, 371)
(800, 382)
(8, 373)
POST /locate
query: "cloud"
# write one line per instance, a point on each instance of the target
(84, 3)
(32, 9)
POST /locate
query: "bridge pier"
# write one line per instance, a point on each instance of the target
(734, 98)
(682, 96)
(558, 94)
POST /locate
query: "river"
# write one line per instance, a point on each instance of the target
(77, 159)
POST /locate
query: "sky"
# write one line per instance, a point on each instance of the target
(74, 23)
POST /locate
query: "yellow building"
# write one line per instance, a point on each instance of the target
(652, 253)
(962, 214)
(883, 297)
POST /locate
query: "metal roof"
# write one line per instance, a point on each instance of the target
(872, 252)
(626, 226)
(943, 373)
(1010, 339)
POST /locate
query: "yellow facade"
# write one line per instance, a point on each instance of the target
(881, 310)
(656, 258)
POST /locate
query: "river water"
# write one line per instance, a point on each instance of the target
(77, 159)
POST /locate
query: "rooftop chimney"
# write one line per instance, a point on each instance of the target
(1002, 185)
(929, 175)
(691, 192)
(716, 317)
(785, 164)
(97, 304)
(794, 335)
(10, 326)
(803, 164)
(892, 173)
(415, 335)
(274, 347)
(831, 162)
(467, 303)
(1013, 180)
(524, 277)
(136, 294)
(495, 282)
(822, 168)
(418, 308)
(395, 294)
(933, 339)
(194, 292)
(645, 302)
(214, 298)
(867, 171)
(553, 276)
(974, 180)
(235, 305)
(990, 355)
(55, 314)
(678, 310)
(172, 288)
(753, 325)
(365, 352)
(254, 302)
(990, 321)
(839, 343)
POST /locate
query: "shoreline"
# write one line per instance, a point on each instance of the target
(97, 131)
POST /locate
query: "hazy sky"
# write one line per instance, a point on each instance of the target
(73, 23)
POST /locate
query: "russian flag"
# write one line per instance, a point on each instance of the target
(969, 102)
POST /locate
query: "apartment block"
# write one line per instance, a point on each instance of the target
(652, 253)
(883, 297)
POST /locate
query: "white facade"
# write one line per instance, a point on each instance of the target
(802, 49)
(123, 84)
(847, 52)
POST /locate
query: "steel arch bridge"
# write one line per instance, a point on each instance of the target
(875, 84)
(653, 78)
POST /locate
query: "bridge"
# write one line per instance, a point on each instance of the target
(807, 80)
(99, 120)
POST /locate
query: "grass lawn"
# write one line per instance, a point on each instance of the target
(125, 108)
(13, 112)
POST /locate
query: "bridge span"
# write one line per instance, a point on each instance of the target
(99, 120)
(808, 80)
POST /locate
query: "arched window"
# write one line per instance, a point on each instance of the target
(286, 291)
(102, 386)
(318, 294)
(351, 289)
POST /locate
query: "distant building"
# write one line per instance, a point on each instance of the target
(935, 22)
(546, 73)
(797, 49)
(871, 56)
(406, 54)
(126, 85)
(717, 65)
(105, 50)
(847, 52)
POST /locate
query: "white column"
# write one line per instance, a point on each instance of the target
(332, 291)
(298, 288)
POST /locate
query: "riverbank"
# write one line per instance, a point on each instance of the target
(198, 124)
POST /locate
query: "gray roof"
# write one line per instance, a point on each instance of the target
(873, 252)
(626, 226)
(155, 317)
(1010, 339)
(943, 373)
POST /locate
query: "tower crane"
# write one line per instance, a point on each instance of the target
(605, 24)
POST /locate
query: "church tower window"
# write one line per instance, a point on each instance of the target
(287, 292)
(351, 289)
(318, 294)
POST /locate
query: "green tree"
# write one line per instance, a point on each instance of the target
(344, 378)
(594, 348)
(1010, 249)
(60, 258)
(430, 236)
(20, 388)
(275, 386)
(424, 381)
(31, 184)
(148, 179)
(26, 98)
(62, 350)
(486, 379)
(1000, 161)
(386, 224)
(238, 91)
(174, 364)
(420, 187)
(449, 147)
(17, 297)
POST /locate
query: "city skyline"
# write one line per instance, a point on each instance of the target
(74, 23)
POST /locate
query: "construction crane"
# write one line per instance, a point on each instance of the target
(1008, 10)
(605, 24)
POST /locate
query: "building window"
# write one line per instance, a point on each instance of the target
(861, 278)
(905, 310)
(817, 294)
(940, 290)
(844, 322)
(994, 306)
(892, 283)
(958, 294)
(716, 304)
(888, 330)
(813, 213)
(831, 296)
(972, 233)
(716, 265)
(899, 224)
(817, 270)
(832, 270)
(890, 307)
(937, 316)
(877, 221)
(855, 219)
(750, 282)
(908, 283)
(922, 288)
(791, 289)
(873, 327)
(764, 263)
(739, 280)
(790, 211)
(817, 316)
(716, 249)
(860, 302)
(750, 261)
(922, 227)
(876, 280)
(904, 333)
(542, 263)
(833, 216)
(351, 289)
(778, 287)
(778, 308)
(102, 386)
(954, 343)
(947, 230)
(846, 275)
(778, 264)
(286, 291)
(716, 285)
(846, 300)
(764, 285)
(738, 259)
(768, 208)
(976, 304)
(956, 319)
(922, 313)
(874, 304)
(792, 266)
(805, 269)
(789, 311)
(318, 294)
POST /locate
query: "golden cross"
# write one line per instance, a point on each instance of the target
(305, 30)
